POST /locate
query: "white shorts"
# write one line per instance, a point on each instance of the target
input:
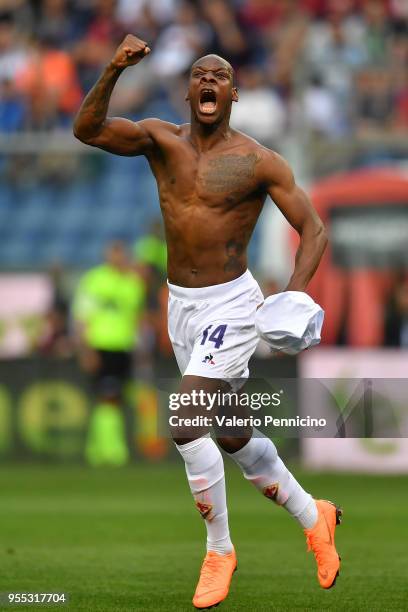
(212, 329)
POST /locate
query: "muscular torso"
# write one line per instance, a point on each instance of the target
(210, 203)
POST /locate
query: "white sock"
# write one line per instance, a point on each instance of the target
(260, 464)
(205, 473)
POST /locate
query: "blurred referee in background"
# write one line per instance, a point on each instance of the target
(107, 310)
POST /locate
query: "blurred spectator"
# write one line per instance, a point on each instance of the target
(377, 31)
(259, 14)
(146, 19)
(260, 111)
(343, 12)
(10, 5)
(228, 38)
(56, 23)
(12, 107)
(401, 110)
(399, 73)
(146, 25)
(104, 27)
(320, 110)
(138, 14)
(107, 310)
(399, 9)
(13, 52)
(180, 43)
(132, 91)
(396, 316)
(333, 53)
(374, 102)
(96, 47)
(20, 11)
(287, 40)
(55, 338)
(50, 83)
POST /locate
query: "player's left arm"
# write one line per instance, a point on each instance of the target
(294, 204)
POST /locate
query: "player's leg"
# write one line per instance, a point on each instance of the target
(204, 466)
(205, 474)
(260, 463)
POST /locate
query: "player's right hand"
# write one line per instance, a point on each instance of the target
(130, 52)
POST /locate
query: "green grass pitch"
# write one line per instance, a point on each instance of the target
(131, 539)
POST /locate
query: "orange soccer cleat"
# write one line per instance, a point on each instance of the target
(215, 579)
(320, 539)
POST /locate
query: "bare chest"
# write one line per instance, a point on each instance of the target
(215, 179)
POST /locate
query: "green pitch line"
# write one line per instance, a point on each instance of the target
(131, 539)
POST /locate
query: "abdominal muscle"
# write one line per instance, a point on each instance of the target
(198, 271)
(205, 250)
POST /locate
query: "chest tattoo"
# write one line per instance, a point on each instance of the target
(230, 173)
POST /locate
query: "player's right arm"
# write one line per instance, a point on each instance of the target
(113, 134)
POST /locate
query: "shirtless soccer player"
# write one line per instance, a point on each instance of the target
(213, 182)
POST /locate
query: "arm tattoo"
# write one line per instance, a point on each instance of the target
(94, 108)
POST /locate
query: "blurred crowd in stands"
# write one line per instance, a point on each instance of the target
(333, 66)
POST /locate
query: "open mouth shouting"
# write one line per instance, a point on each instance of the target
(208, 101)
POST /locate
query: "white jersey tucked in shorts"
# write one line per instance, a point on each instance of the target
(212, 329)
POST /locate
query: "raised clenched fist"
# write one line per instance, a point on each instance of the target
(130, 52)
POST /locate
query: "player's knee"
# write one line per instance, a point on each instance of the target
(182, 438)
(232, 444)
(182, 435)
(185, 426)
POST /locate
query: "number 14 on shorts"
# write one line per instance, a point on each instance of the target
(216, 335)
